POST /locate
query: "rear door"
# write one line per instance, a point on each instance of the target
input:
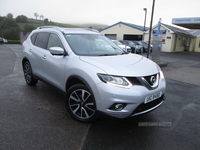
(39, 41)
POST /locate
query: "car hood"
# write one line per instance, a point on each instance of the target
(124, 46)
(123, 65)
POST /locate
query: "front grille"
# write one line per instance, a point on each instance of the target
(133, 49)
(134, 80)
(147, 81)
(129, 50)
(143, 107)
(149, 77)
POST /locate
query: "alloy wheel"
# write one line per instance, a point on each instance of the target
(27, 72)
(81, 104)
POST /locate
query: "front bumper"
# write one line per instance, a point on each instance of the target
(139, 49)
(133, 99)
(145, 108)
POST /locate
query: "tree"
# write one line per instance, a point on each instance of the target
(46, 20)
(28, 28)
(21, 19)
(36, 15)
(9, 29)
(9, 15)
(41, 17)
(11, 33)
(51, 23)
(1, 18)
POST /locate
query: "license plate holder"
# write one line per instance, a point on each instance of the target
(153, 97)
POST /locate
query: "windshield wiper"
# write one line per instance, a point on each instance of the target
(124, 53)
(107, 54)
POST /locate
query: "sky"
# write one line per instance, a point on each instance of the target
(106, 12)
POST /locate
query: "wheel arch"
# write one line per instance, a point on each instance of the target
(74, 79)
(24, 60)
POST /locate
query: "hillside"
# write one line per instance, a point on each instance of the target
(10, 28)
(38, 23)
(94, 25)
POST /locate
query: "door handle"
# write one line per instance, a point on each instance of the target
(44, 57)
(30, 50)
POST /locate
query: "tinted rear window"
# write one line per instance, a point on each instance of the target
(42, 40)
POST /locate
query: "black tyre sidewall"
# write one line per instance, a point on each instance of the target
(33, 81)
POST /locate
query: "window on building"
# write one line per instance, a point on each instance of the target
(199, 43)
(163, 39)
(183, 41)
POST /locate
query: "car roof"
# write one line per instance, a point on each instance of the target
(69, 30)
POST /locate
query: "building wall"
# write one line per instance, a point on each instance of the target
(192, 45)
(173, 43)
(120, 30)
(169, 39)
(166, 38)
(179, 47)
(197, 44)
(23, 36)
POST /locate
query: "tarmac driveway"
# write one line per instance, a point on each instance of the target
(36, 118)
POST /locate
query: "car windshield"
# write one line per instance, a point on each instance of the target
(117, 42)
(131, 43)
(92, 45)
(136, 43)
(143, 42)
(140, 43)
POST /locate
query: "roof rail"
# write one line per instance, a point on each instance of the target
(43, 27)
(94, 30)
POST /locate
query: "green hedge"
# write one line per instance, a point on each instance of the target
(13, 41)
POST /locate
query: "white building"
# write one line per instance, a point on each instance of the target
(124, 31)
(173, 39)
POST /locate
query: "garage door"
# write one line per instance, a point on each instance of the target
(111, 36)
(133, 37)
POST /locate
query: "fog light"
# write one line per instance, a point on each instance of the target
(117, 106)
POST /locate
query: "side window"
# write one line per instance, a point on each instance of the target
(33, 37)
(54, 41)
(42, 39)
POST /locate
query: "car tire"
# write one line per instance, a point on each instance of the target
(80, 103)
(28, 75)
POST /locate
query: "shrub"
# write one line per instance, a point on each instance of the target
(21, 19)
(28, 28)
(13, 41)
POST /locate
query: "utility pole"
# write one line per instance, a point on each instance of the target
(145, 9)
(150, 28)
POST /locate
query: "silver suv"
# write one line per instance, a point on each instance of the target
(94, 73)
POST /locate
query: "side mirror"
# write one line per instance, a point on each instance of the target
(57, 51)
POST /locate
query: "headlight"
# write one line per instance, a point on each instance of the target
(115, 81)
(161, 75)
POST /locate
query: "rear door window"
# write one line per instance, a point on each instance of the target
(42, 40)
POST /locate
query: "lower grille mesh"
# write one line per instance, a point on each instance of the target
(143, 107)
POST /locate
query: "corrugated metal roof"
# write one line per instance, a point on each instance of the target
(141, 28)
(194, 32)
(177, 30)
